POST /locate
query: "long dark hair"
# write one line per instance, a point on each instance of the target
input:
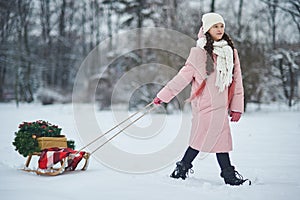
(209, 44)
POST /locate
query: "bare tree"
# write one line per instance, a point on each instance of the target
(169, 14)
(23, 88)
(289, 6)
(286, 62)
(7, 24)
(282, 58)
(295, 13)
(47, 68)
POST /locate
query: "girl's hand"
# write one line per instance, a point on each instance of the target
(235, 116)
(157, 101)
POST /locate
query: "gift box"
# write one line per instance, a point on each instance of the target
(50, 142)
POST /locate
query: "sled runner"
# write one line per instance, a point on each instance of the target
(68, 159)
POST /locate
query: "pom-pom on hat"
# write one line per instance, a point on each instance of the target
(209, 19)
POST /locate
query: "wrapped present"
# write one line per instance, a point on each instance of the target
(50, 142)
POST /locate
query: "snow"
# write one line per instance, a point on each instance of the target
(266, 150)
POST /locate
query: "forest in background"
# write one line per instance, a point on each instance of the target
(44, 42)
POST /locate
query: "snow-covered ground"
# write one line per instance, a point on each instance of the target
(266, 150)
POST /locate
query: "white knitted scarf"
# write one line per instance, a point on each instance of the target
(224, 66)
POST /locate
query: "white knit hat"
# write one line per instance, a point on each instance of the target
(209, 19)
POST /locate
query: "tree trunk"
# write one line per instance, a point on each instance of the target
(239, 18)
(28, 81)
(23, 88)
(60, 79)
(2, 79)
(48, 70)
(212, 6)
(292, 85)
(109, 24)
(174, 14)
(83, 31)
(273, 12)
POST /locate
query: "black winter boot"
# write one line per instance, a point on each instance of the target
(232, 177)
(181, 170)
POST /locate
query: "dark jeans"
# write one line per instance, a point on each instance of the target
(223, 158)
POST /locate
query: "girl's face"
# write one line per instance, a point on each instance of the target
(217, 31)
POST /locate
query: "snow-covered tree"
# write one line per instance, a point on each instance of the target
(285, 63)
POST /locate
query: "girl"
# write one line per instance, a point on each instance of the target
(213, 67)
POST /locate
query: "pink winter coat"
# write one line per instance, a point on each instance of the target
(210, 124)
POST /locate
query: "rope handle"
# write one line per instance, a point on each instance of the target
(113, 128)
(116, 134)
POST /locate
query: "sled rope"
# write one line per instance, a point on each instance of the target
(113, 128)
(116, 134)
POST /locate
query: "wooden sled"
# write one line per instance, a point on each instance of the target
(63, 143)
(53, 171)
